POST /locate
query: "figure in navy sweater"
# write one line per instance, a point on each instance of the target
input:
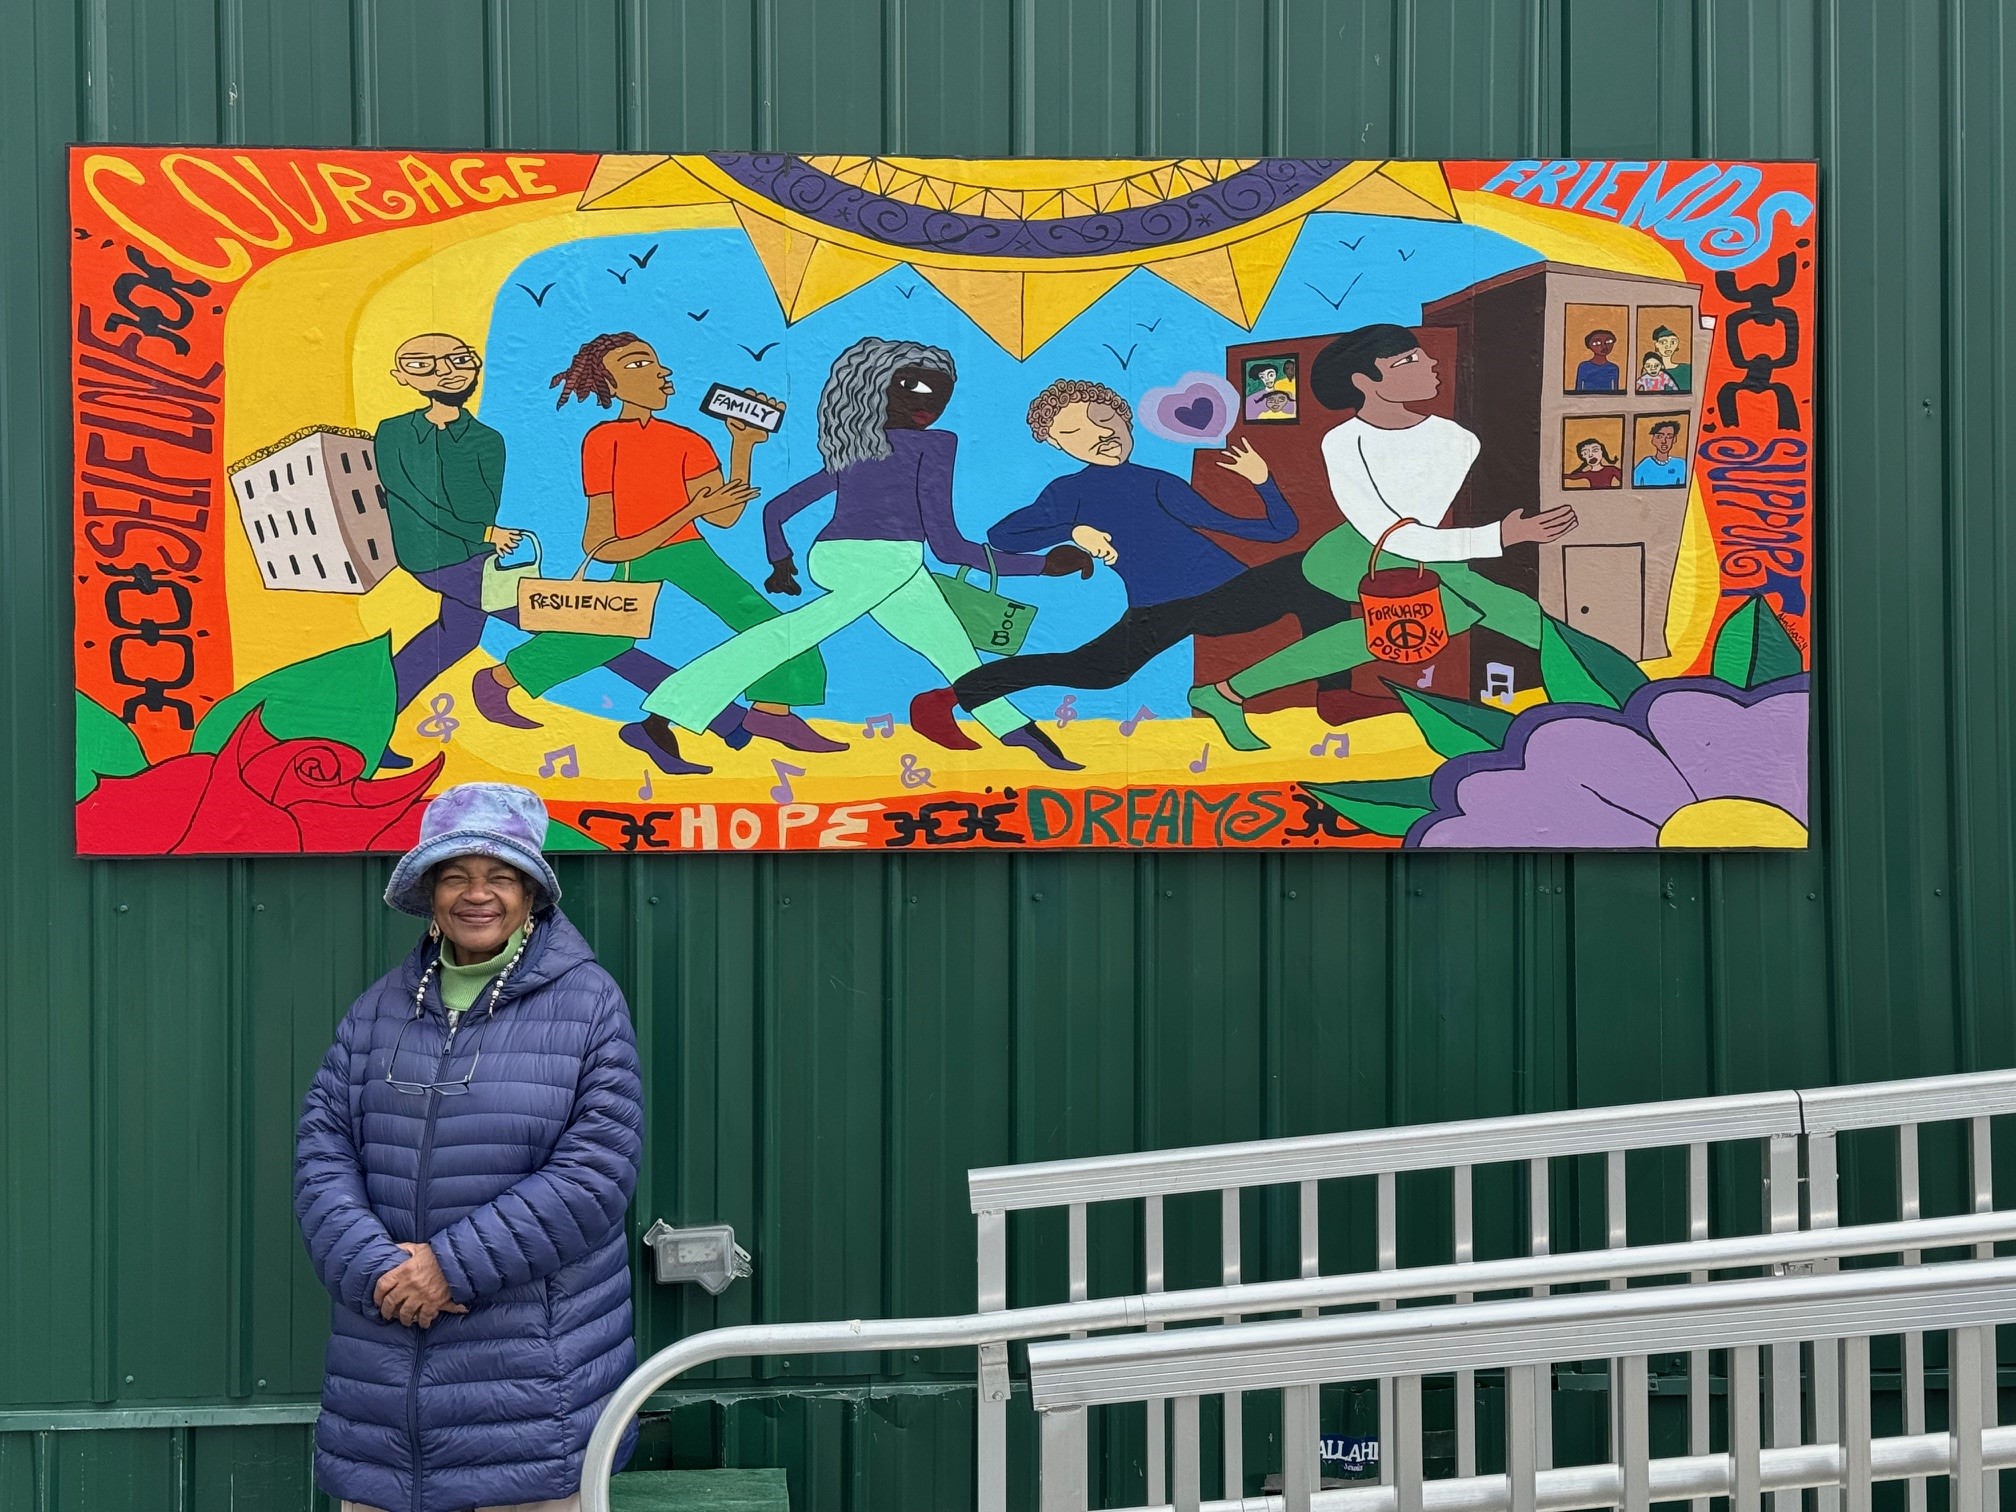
(1148, 526)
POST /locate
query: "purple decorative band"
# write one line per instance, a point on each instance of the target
(1233, 201)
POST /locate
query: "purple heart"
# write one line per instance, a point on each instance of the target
(1197, 413)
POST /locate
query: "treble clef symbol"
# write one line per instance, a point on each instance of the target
(440, 725)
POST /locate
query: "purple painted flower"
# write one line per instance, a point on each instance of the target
(1687, 762)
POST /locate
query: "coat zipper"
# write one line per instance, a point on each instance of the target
(422, 1175)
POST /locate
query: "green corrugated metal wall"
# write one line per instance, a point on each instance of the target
(830, 1041)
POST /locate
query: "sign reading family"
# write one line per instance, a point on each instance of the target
(757, 502)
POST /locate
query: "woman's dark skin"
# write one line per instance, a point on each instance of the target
(917, 397)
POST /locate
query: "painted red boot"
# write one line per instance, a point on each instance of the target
(932, 716)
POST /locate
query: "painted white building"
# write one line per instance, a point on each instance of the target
(314, 511)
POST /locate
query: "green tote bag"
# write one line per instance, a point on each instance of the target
(993, 622)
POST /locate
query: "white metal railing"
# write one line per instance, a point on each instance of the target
(1837, 1315)
(1539, 1273)
(1777, 1123)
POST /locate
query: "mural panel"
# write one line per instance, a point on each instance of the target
(763, 502)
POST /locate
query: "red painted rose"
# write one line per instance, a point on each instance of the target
(258, 794)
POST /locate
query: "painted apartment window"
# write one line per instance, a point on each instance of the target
(1659, 448)
(1589, 348)
(1663, 350)
(1591, 446)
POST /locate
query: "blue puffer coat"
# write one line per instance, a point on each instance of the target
(520, 1185)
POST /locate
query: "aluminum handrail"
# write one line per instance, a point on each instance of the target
(1924, 1099)
(1355, 1288)
(1365, 1152)
(1679, 1478)
(1525, 1331)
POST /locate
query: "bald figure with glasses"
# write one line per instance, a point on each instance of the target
(443, 474)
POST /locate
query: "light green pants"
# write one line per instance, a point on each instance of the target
(1335, 564)
(884, 579)
(694, 567)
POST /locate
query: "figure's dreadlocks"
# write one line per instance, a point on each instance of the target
(588, 374)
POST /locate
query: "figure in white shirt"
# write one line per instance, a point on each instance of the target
(1387, 464)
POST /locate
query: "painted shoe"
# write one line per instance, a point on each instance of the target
(1231, 719)
(1029, 738)
(728, 726)
(662, 749)
(392, 761)
(789, 731)
(493, 702)
(931, 716)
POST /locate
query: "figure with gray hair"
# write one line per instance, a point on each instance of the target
(890, 477)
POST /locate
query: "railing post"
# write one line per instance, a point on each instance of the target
(1462, 1223)
(1298, 1468)
(1823, 1211)
(1634, 1439)
(1188, 1470)
(1782, 1205)
(1914, 1343)
(1388, 1224)
(990, 1430)
(1745, 1431)
(1061, 1442)
(1406, 1452)
(1524, 1403)
(1972, 1409)
(1152, 1281)
(1229, 1257)
(1699, 1389)
(1857, 1428)
(1980, 1165)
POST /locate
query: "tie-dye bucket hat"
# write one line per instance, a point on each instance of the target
(495, 819)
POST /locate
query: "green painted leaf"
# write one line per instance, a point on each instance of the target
(1754, 647)
(1578, 668)
(106, 746)
(1452, 727)
(564, 837)
(345, 695)
(1385, 808)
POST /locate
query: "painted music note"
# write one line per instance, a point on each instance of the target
(1322, 747)
(1067, 710)
(644, 792)
(1426, 679)
(914, 776)
(438, 725)
(781, 793)
(1133, 722)
(1498, 687)
(1202, 761)
(879, 724)
(565, 762)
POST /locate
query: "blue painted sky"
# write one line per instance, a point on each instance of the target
(1000, 467)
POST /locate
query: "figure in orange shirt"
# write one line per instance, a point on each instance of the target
(649, 483)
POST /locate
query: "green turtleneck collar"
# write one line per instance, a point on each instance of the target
(462, 985)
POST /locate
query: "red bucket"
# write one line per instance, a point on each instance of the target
(1402, 608)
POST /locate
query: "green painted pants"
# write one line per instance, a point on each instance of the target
(884, 579)
(696, 569)
(1336, 564)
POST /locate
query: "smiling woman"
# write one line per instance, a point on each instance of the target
(465, 1156)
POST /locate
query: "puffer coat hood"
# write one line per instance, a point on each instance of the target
(519, 1183)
